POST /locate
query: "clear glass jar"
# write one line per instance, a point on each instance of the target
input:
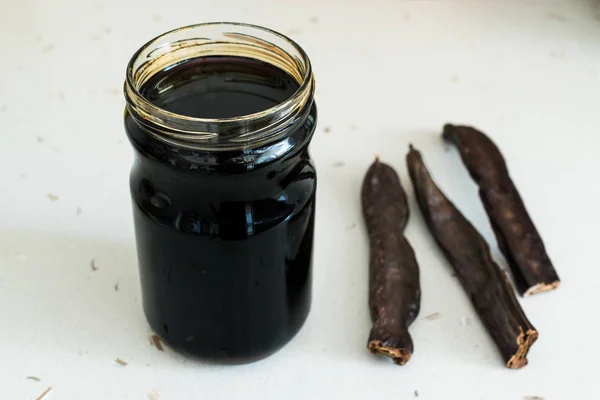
(220, 116)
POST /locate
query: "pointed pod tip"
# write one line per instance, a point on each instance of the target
(447, 131)
(412, 149)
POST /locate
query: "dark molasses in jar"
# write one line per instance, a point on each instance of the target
(223, 188)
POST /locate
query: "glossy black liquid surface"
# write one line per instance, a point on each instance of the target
(220, 87)
(224, 239)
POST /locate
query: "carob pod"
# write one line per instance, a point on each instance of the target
(518, 239)
(394, 289)
(486, 284)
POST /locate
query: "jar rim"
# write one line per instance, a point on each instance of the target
(231, 37)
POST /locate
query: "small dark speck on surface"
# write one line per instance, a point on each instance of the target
(406, 17)
(339, 164)
(156, 342)
(433, 316)
(533, 398)
(327, 129)
(3, 108)
(107, 30)
(93, 265)
(61, 95)
(48, 48)
(44, 393)
(416, 393)
(117, 287)
(78, 211)
(353, 126)
(454, 78)
(23, 176)
(120, 362)
(554, 16)
(33, 378)
(314, 19)
(40, 139)
(156, 17)
(351, 226)
(52, 197)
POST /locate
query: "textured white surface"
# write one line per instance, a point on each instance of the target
(388, 73)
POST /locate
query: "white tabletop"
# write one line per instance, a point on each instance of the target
(388, 73)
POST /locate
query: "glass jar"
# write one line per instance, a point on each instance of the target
(220, 117)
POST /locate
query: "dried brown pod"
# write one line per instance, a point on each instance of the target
(490, 291)
(517, 236)
(394, 289)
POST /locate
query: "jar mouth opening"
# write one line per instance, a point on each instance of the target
(218, 39)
